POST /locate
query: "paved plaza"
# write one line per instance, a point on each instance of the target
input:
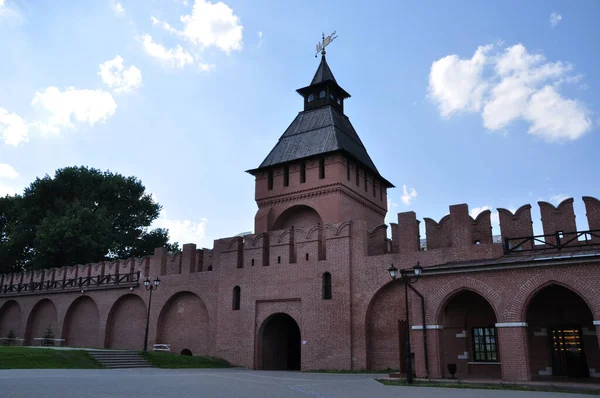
(222, 383)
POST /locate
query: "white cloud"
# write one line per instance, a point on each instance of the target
(555, 18)
(121, 79)
(10, 15)
(65, 107)
(260, 36)
(183, 231)
(457, 84)
(117, 8)
(408, 195)
(13, 128)
(8, 172)
(558, 198)
(176, 57)
(6, 189)
(510, 86)
(209, 24)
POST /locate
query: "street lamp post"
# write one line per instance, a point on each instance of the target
(417, 269)
(149, 286)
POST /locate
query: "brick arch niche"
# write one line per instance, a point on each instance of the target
(42, 316)
(81, 323)
(469, 338)
(126, 323)
(385, 328)
(562, 340)
(299, 216)
(279, 343)
(183, 323)
(10, 319)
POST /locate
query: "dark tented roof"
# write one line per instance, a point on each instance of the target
(323, 73)
(315, 132)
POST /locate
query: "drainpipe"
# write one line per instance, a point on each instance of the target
(424, 329)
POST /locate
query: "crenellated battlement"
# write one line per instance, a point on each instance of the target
(458, 236)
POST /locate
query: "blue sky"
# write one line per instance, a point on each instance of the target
(494, 104)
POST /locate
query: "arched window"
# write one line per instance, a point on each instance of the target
(311, 98)
(326, 286)
(236, 298)
(322, 94)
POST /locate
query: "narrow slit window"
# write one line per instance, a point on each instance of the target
(321, 168)
(270, 180)
(326, 286)
(374, 190)
(236, 298)
(381, 191)
(366, 180)
(286, 176)
(306, 256)
(302, 173)
(348, 171)
(357, 176)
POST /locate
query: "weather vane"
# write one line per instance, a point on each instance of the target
(326, 40)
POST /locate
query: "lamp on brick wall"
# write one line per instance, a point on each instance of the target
(417, 269)
(149, 286)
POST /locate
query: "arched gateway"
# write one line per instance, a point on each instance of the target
(279, 346)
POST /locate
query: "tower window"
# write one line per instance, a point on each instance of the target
(270, 180)
(380, 191)
(366, 188)
(326, 286)
(357, 176)
(302, 172)
(321, 168)
(311, 98)
(331, 97)
(322, 94)
(374, 191)
(339, 101)
(348, 171)
(286, 176)
(236, 298)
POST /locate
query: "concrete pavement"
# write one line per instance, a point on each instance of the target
(222, 383)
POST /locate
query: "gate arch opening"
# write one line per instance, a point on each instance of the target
(279, 343)
(186, 352)
(561, 334)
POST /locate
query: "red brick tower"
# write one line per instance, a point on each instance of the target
(319, 171)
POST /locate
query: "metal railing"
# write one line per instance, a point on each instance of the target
(556, 241)
(82, 282)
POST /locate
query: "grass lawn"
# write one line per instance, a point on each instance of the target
(168, 360)
(45, 358)
(477, 386)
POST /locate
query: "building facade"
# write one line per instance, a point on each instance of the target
(309, 289)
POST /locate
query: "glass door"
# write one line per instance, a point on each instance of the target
(568, 359)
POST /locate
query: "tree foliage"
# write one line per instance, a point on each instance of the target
(81, 215)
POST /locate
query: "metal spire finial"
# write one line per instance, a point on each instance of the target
(326, 40)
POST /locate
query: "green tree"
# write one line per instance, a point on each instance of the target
(80, 215)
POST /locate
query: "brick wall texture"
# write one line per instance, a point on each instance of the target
(285, 319)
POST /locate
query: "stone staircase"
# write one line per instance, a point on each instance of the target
(117, 359)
